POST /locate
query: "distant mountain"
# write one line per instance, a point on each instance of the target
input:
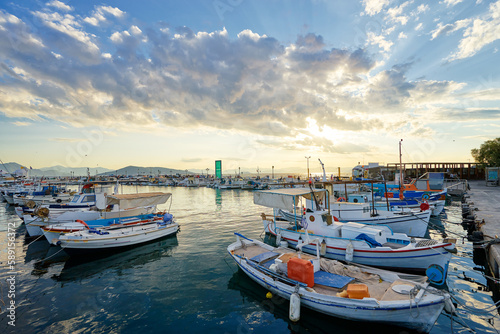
(77, 171)
(137, 170)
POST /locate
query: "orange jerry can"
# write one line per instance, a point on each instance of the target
(301, 270)
(357, 291)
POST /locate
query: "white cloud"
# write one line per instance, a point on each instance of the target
(396, 14)
(68, 35)
(380, 41)
(60, 5)
(451, 3)
(422, 9)
(100, 13)
(449, 28)
(18, 123)
(483, 31)
(373, 7)
(134, 30)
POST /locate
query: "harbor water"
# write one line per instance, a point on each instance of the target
(188, 283)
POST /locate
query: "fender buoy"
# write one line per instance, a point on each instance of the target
(341, 199)
(294, 311)
(83, 223)
(424, 206)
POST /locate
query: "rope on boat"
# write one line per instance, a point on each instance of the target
(413, 293)
(48, 257)
(35, 239)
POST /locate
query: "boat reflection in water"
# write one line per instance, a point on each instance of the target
(80, 268)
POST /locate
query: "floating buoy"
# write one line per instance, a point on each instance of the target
(269, 295)
(278, 238)
(349, 252)
(294, 314)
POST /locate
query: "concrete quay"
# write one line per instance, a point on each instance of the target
(486, 203)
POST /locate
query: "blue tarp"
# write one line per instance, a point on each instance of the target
(370, 240)
(331, 280)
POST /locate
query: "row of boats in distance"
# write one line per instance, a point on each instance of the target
(326, 235)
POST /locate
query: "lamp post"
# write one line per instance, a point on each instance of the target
(308, 175)
(273, 172)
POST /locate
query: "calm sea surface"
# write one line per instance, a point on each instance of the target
(188, 283)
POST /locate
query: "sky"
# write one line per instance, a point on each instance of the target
(180, 84)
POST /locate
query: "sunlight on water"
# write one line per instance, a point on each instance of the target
(189, 284)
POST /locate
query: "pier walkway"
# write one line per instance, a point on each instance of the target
(487, 201)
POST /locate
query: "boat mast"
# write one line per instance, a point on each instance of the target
(400, 172)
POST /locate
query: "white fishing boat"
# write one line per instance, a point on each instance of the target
(413, 222)
(117, 236)
(338, 290)
(374, 245)
(107, 207)
(410, 222)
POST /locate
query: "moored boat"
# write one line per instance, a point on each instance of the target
(369, 244)
(343, 291)
(117, 236)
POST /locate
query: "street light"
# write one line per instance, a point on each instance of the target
(308, 175)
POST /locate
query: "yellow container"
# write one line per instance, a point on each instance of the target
(357, 291)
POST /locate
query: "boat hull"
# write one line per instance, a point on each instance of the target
(411, 224)
(414, 259)
(399, 313)
(130, 237)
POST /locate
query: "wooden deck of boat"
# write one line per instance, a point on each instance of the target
(381, 291)
(486, 199)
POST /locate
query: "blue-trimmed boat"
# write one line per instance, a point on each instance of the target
(368, 244)
(402, 300)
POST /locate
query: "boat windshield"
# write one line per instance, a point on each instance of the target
(88, 198)
(75, 199)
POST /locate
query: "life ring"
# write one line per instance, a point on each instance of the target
(341, 199)
(83, 223)
(425, 196)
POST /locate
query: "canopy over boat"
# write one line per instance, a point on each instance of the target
(128, 201)
(286, 199)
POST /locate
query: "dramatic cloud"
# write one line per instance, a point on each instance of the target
(144, 77)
